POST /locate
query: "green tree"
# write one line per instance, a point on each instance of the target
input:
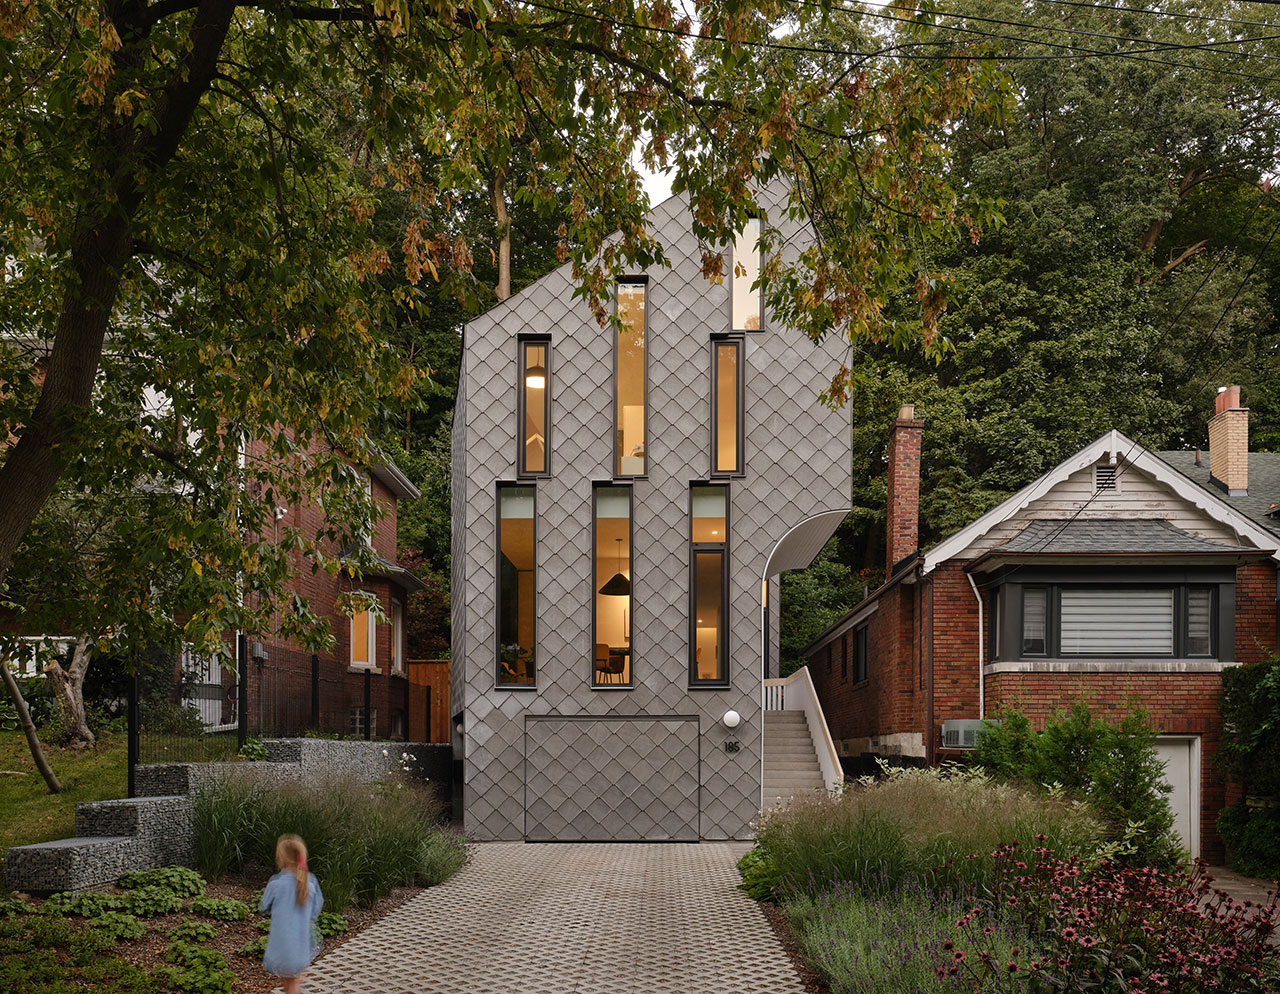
(192, 190)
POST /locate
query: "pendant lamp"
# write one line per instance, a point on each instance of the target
(535, 376)
(618, 585)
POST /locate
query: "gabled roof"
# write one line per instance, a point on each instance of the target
(1120, 448)
(1263, 501)
(1130, 535)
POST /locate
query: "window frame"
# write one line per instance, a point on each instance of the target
(594, 592)
(733, 276)
(397, 636)
(523, 342)
(1218, 637)
(615, 459)
(861, 653)
(844, 657)
(726, 599)
(371, 640)
(498, 683)
(738, 342)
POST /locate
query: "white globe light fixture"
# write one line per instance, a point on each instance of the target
(731, 719)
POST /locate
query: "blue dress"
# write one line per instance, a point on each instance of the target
(293, 941)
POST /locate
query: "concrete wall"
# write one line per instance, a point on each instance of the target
(797, 464)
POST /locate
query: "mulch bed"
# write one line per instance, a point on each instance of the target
(148, 952)
(812, 982)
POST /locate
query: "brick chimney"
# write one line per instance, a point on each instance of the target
(1229, 443)
(903, 524)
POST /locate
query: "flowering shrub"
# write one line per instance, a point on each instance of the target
(1131, 930)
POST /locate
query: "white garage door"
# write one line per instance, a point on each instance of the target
(1181, 757)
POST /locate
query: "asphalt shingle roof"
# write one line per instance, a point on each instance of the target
(1110, 536)
(1264, 483)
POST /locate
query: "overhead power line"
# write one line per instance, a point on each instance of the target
(1161, 13)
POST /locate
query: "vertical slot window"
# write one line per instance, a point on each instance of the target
(535, 407)
(612, 585)
(363, 632)
(1199, 621)
(746, 270)
(630, 380)
(844, 657)
(726, 406)
(1035, 621)
(860, 667)
(517, 547)
(709, 587)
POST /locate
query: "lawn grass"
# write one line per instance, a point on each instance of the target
(29, 813)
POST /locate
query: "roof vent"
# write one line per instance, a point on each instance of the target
(962, 733)
(1106, 478)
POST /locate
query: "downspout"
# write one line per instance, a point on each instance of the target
(982, 680)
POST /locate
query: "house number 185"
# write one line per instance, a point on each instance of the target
(733, 745)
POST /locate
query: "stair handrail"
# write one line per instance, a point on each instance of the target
(798, 690)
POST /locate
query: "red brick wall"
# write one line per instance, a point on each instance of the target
(953, 643)
(1178, 704)
(1255, 611)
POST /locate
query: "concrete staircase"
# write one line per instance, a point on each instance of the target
(790, 762)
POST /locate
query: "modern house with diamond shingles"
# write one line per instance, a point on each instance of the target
(623, 502)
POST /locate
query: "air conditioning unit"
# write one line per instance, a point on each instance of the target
(962, 733)
(257, 651)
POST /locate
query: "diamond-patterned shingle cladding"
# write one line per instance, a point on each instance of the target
(797, 462)
(571, 919)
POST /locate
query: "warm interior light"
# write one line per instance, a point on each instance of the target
(535, 378)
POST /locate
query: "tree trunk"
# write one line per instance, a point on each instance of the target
(68, 684)
(499, 190)
(101, 247)
(29, 729)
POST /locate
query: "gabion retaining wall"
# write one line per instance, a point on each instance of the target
(154, 828)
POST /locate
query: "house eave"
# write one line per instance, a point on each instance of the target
(993, 560)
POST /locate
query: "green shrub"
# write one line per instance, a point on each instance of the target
(759, 874)
(1253, 836)
(225, 909)
(85, 903)
(363, 840)
(197, 970)
(939, 824)
(147, 902)
(119, 926)
(1250, 707)
(254, 948)
(189, 930)
(1114, 767)
(163, 718)
(254, 750)
(179, 879)
(330, 923)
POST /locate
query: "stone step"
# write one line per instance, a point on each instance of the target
(788, 738)
(791, 769)
(784, 718)
(790, 749)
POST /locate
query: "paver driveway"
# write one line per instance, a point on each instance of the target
(571, 919)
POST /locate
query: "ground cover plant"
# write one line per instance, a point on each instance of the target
(1114, 766)
(1250, 757)
(363, 840)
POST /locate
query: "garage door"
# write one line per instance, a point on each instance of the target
(1181, 757)
(616, 779)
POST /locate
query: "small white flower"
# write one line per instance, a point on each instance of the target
(384, 752)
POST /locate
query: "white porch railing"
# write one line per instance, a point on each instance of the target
(796, 693)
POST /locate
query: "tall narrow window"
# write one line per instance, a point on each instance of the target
(844, 657)
(534, 406)
(860, 654)
(709, 587)
(1035, 621)
(397, 637)
(746, 270)
(363, 634)
(726, 406)
(516, 585)
(611, 582)
(1199, 622)
(630, 382)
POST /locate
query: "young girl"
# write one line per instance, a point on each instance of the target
(293, 899)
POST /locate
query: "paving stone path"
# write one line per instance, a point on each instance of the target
(571, 919)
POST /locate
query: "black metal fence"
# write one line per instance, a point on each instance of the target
(194, 711)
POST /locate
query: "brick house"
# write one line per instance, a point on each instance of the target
(280, 671)
(1123, 576)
